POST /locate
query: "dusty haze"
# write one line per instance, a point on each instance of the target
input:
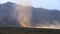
(25, 14)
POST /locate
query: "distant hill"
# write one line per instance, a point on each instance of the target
(40, 16)
(46, 17)
(7, 16)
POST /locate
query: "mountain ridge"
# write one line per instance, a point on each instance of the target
(40, 16)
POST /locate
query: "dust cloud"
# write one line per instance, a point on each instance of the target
(25, 14)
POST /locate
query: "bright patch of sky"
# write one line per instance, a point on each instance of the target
(48, 4)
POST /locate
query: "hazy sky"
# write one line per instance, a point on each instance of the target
(48, 4)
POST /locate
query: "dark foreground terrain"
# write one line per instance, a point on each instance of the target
(21, 30)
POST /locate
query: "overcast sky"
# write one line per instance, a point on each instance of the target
(48, 4)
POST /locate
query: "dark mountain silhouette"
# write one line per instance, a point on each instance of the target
(6, 14)
(39, 15)
(45, 17)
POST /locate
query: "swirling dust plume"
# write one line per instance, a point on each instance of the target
(25, 14)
